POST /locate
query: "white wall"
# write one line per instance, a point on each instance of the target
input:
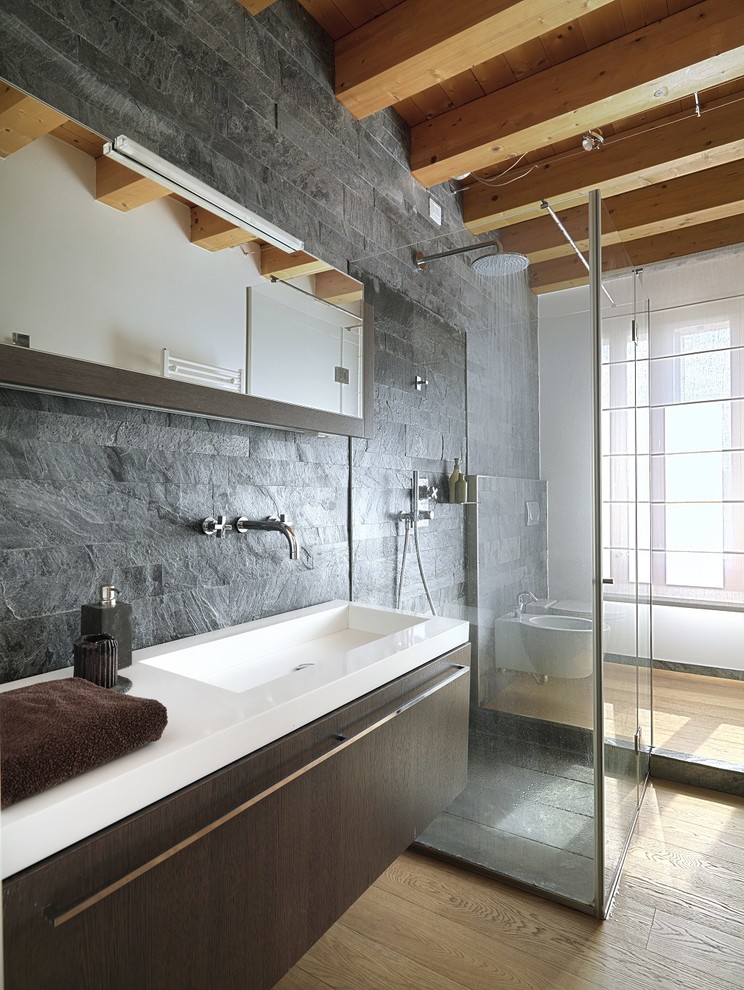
(87, 281)
(565, 439)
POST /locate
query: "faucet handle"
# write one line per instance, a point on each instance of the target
(223, 526)
(218, 527)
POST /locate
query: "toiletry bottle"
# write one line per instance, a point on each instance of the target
(461, 489)
(454, 478)
(110, 616)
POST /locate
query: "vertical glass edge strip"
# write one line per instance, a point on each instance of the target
(595, 312)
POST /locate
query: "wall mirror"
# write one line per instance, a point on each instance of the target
(124, 279)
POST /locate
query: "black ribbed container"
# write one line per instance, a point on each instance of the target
(111, 616)
(97, 659)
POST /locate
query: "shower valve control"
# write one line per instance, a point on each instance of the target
(427, 493)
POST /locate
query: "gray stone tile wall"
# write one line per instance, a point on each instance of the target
(94, 493)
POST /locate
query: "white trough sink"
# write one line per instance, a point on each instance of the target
(331, 638)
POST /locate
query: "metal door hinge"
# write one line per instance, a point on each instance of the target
(634, 331)
(637, 740)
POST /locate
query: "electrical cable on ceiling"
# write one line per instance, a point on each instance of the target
(607, 142)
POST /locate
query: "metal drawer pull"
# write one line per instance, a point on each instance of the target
(57, 917)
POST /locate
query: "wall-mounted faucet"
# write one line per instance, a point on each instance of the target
(279, 523)
(216, 527)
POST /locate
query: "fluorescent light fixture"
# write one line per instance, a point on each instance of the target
(127, 152)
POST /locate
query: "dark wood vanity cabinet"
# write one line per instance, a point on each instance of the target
(226, 883)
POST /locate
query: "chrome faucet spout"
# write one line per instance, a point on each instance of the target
(278, 523)
(523, 599)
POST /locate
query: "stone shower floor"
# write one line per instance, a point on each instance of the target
(527, 813)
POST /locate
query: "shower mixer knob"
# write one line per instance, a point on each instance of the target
(427, 491)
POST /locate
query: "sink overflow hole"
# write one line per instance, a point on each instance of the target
(303, 665)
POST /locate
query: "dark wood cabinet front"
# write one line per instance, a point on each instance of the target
(229, 881)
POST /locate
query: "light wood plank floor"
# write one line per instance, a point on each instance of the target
(678, 922)
(693, 714)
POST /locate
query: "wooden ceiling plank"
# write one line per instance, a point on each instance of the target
(527, 59)
(698, 198)
(360, 12)
(335, 287)
(697, 48)
(603, 25)
(330, 18)
(564, 43)
(687, 144)
(410, 112)
(123, 189)
(283, 266)
(421, 42)
(568, 271)
(640, 13)
(494, 74)
(432, 102)
(255, 6)
(676, 5)
(23, 120)
(462, 88)
(212, 233)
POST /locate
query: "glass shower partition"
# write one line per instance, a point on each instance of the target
(558, 692)
(624, 648)
(527, 813)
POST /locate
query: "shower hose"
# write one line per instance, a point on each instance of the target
(413, 524)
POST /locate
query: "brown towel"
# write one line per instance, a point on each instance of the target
(52, 731)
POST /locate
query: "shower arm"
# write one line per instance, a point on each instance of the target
(423, 259)
(545, 205)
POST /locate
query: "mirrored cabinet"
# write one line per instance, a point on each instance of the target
(124, 278)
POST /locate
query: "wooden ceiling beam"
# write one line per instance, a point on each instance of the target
(702, 197)
(692, 50)
(420, 43)
(562, 273)
(23, 120)
(80, 137)
(213, 233)
(120, 187)
(678, 145)
(283, 266)
(335, 287)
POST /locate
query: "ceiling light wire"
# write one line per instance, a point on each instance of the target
(615, 139)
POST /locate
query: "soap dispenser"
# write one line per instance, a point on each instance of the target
(454, 478)
(110, 616)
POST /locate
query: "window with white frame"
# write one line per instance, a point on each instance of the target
(677, 455)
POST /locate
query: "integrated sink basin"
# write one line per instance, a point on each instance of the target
(330, 637)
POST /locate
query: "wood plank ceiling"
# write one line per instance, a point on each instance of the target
(490, 87)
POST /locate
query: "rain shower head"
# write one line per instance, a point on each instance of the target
(498, 263)
(493, 264)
